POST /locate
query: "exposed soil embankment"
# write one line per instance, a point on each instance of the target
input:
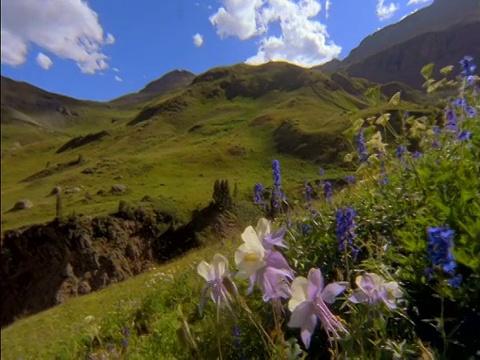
(43, 265)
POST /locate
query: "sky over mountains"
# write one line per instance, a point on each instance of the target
(100, 50)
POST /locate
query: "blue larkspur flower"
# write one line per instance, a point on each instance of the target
(361, 146)
(327, 190)
(258, 193)
(417, 154)
(277, 184)
(451, 121)
(439, 249)
(346, 229)
(467, 67)
(349, 179)
(308, 195)
(463, 135)
(400, 151)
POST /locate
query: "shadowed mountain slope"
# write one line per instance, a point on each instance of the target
(443, 33)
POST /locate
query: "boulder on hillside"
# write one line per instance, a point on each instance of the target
(118, 189)
(22, 205)
(56, 190)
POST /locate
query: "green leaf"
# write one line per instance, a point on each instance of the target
(395, 99)
(427, 71)
(373, 95)
(446, 70)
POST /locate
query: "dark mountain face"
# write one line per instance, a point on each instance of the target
(443, 33)
(404, 61)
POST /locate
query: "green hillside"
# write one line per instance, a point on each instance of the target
(229, 123)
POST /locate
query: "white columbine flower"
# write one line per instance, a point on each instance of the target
(250, 256)
(218, 281)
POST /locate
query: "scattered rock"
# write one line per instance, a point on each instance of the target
(118, 177)
(89, 170)
(56, 190)
(84, 288)
(22, 205)
(118, 189)
(73, 190)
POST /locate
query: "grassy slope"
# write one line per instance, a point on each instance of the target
(55, 331)
(180, 150)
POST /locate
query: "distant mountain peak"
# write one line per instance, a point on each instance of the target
(172, 80)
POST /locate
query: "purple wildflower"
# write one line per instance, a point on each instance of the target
(361, 146)
(308, 305)
(346, 229)
(349, 179)
(321, 171)
(463, 135)
(417, 154)
(327, 190)
(258, 193)
(467, 67)
(439, 248)
(373, 289)
(277, 184)
(471, 112)
(257, 260)
(219, 283)
(308, 195)
(400, 151)
(451, 123)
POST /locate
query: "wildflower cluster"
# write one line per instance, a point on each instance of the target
(259, 261)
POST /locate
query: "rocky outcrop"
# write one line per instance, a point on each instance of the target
(82, 140)
(44, 265)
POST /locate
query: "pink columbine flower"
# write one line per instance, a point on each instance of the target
(308, 305)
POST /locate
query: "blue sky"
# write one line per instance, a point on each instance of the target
(100, 49)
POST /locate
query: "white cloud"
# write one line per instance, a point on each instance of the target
(66, 28)
(416, 2)
(385, 12)
(118, 78)
(328, 4)
(238, 18)
(116, 69)
(303, 41)
(44, 61)
(198, 40)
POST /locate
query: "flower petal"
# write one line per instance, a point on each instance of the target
(358, 296)
(220, 265)
(275, 239)
(273, 284)
(315, 283)
(248, 261)
(307, 329)
(263, 228)
(301, 313)
(276, 260)
(299, 290)
(331, 291)
(206, 271)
